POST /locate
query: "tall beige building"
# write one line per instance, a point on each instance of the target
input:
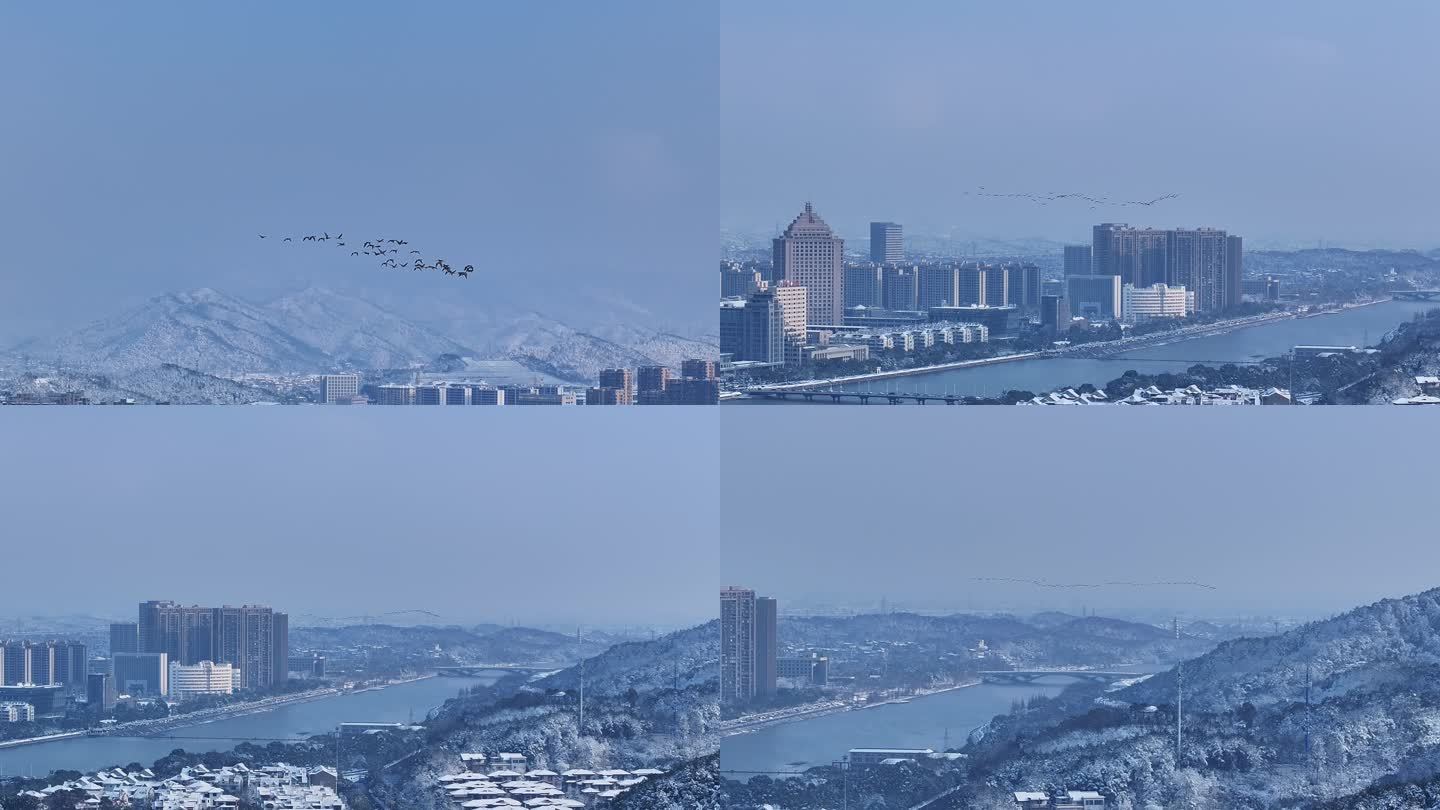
(794, 313)
(810, 255)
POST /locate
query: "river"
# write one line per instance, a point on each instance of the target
(924, 722)
(392, 704)
(1359, 326)
(921, 723)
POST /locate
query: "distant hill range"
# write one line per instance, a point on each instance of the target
(1047, 638)
(198, 345)
(484, 644)
(1290, 261)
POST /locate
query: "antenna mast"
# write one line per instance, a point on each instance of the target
(1179, 679)
(579, 649)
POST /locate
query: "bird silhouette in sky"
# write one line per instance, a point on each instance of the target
(1053, 196)
(381, 247)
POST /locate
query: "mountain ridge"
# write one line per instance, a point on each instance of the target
(314, 329)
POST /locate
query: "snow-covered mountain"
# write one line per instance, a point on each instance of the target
(203, 330)
(1337, 708)
(207, 332)
(1339, 655)
(684, 658)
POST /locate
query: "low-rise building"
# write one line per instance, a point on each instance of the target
(864, 757)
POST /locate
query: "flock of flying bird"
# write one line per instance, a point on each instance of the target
(1049, 197)
(389, 250)
(1041, 583)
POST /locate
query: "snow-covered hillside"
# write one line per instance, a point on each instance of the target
(207, 338)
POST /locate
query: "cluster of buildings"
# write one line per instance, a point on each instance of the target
(750, 664)
(35, 676)
(507, 783)
(695, 384)
(1133, 275)
(809, 299)
(810, 305)
(180, 652)
(1189, 395)
(274, 787)
(1069, 800)
(657, 385)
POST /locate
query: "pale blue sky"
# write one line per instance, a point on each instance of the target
(566, 149)
(601, 516)
(1289, 511)
(1290, 120)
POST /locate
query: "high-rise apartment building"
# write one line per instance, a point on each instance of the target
(972, 285)
(810, 255)
(338, 389)
(124, 637)
(748, 645)
(939, 286)
(794, 302)
(697, 369)
(1196, 261)
(395, 395)
(997, 287)
(899, 288)
(651, 378)
(887, 246)
(1024, 286)
(622, 380)
(248, 637)
(737, 645)
(739, 281)
(1205, 261)
(43, 663)
(766, 645)
(1136, 255)
(1234, 269)
(1077, 260)
(864, 285)
(984, 285)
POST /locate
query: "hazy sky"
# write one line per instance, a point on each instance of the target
(1291, 120)
(565, 149)
(595, 518)
(1285, 511)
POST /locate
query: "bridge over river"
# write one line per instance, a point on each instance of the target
(1018, 676)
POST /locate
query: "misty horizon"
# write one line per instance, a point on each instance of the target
(1289, 123)
(1312, 528)
(320, 512)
